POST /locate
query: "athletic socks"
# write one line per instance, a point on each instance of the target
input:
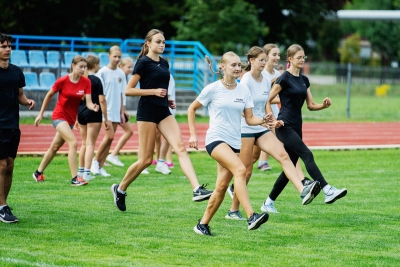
(194, 190)
(262, 162)
(326, 188)
(120, 191)
(268, 201)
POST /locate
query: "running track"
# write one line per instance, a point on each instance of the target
(336, 136)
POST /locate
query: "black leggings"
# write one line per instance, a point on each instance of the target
(292, 139)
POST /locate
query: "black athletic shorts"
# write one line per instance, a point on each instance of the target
(9, 142)
(152, 113)
(210, 147)
(254, 135)
(88, 116)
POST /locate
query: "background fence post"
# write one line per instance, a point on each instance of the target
(348, 89)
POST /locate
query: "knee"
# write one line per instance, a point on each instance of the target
(73, 144)
(129, 132)
(146, 161)
(180, 148)
(222, 187)
(240, 173)
(248, 174)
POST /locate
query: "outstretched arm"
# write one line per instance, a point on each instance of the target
(311, 105)
(193, 142)
(23, 100)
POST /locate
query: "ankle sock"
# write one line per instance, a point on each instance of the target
(326, 188)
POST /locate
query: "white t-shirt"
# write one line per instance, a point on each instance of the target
(260, 94)
(114, 82)
(171, 92)
(225, 108)
(275, 108)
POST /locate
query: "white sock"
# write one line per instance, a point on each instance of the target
(161, 160)
(262, 162)
(119, 190)
(268, 201)
(1, 207)
(326, 188)
(194, 190)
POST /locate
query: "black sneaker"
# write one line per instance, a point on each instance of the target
(310, 191)
(231, 191)
(6, 215)
(256, 220)
(306, 181)
(202, 229)
(201, 193)
(78, 181)
(119, 198)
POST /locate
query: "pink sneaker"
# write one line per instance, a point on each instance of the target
(154, 162)
(170, 164)
(264, 167)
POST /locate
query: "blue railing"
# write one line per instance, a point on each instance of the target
(186, 58)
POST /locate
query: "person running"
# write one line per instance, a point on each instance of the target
(90, 121)
(126, 65)
(153, 73)
(12, 81)
(114, 80)
(265, 139)
(294, 89)
(226, 101)
(70, 88)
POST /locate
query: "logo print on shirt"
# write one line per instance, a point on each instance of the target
(81, 92)
(239, 100)
(119, 79)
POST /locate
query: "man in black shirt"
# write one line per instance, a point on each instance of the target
(11, 82)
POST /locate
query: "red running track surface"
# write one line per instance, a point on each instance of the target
(36, 140)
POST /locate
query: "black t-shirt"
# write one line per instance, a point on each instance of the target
(153, 75)
(11, 79)
(97, 89)
(292, 96)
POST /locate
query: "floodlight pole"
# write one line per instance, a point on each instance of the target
(348, 89)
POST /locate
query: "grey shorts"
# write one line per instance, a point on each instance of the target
(57, 122)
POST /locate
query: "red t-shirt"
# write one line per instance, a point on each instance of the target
(69, 97)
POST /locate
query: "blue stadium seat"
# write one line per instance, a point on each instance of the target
(53, 58)
(47, 80)
(31, 81)
(124, 55)
(18, 57)
(36, 59)
(103, 59)
(85, 54)
(63, 73)
(68, 57)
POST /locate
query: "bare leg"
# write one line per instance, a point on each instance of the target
(93, 130)
(299, 169)
(6, 172)
(128, 132)
(169, 128)
(82, 150)
(158, 144)
(104, 148)
(147, 136)
(66, 133)
(57, 142)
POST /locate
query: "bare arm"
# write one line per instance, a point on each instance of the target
(251, 119)
(25, 101)
(103, 105)
(193, 142)
(311, 105)
(131, 89)
(89, 103)
(45, 103)
(275, 90)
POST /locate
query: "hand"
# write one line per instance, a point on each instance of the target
(38, 119)
(107, 125)
(76, 125)
(327, 102)
(31, 104)
(160, 92)
(122, 119)
(96, 107)
(171, 104)
(193, 143)
(269, 117)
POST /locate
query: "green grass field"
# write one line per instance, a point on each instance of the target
(62, 225)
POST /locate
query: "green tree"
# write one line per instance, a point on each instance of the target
(383, 35)
(220, 25)
(350, 51)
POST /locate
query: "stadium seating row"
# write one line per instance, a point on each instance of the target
(37, 58)
(45, 82)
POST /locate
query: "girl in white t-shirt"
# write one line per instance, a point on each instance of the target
(114, 80)
(265, 139)
(126, 65)
(226, 101)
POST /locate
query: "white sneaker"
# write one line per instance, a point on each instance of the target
(145, 171)
(87, 177)
(95, 168)
(103, 172)
(334, 194)
(269, 208)
(114, 160)
(163, 168)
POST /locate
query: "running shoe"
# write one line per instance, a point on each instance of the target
(114, 160)
(145, 171)
(201, 193)
(163, 168)
(170, 164)
(270, 208)
(334, 194)
(38, 177)
(202, 229)
(119, 198)
(103, 172)
(234, 215)
(264, 167)
(231, 191)
(95, 168)
(6, 215)
(256, 220)
(78, 181)
(310, 191)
